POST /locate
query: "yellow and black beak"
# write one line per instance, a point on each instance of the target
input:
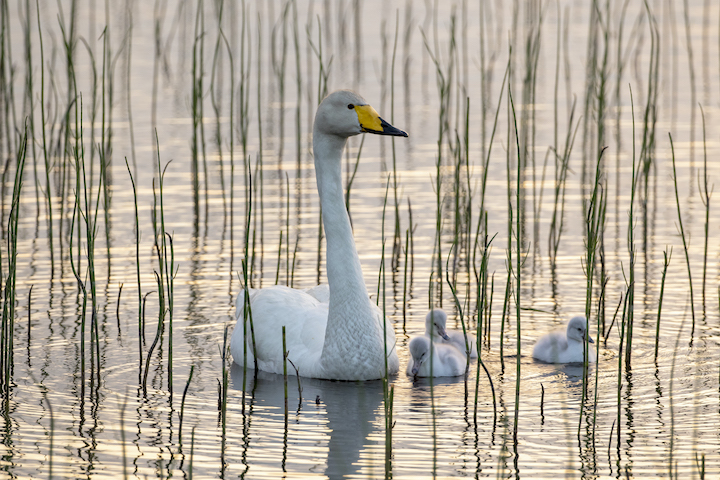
(371, 122)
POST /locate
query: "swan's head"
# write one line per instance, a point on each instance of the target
(435, 322)
(345, 113)
(419, 351)
(577, 329)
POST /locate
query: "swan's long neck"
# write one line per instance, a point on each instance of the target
(350, 318)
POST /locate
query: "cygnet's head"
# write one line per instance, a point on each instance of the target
(345, 113)
(577, 329)
(435, 322)
(419, 351)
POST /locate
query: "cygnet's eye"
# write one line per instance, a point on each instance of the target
(350, 106)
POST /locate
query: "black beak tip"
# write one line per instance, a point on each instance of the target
(390, 130)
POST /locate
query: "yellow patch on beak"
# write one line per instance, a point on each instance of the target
(369, 119)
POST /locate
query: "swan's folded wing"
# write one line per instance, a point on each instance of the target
(304, 318)
(550, 347)
(320, 292)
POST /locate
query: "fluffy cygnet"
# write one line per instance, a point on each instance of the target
(447, 361)
(565, 346)
(435, 322)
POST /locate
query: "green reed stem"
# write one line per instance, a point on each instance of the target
(431, 380)
(396, 236)
(9, 290)
(666, 262)
(684, 240)
(594, 221)
(81, 284)
(117, 308)
(623, 323)
(460, 310)
(158, 335)
(518, 259)
(285, 389)
(182, 403)
(405, 277)
(628, 321)
(48, 194)
(287, 229)
(166, 273)
(705, 197)
(483, 301)
(671, 443)
(279, 259)
(247, 310)
(137, 270)
(170, 272)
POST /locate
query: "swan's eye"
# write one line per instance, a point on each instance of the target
(350, 106)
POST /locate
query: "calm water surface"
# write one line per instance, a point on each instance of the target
(66, 418)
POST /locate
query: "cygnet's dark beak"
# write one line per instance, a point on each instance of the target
(441, 331)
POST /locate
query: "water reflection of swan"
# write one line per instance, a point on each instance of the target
(435, 322)
(446, 360)
(565, 346)
(352, 410)
(342, 338)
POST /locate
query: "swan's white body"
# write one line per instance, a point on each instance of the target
(447, 361)
(565, 346)
(332, 332)
(435, 322)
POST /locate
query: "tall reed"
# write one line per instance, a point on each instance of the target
(137, 272)
(285, 409)
(630, 294)
(518, 267)
(182, 404)
(164, 274)
(46, 155)
(444, 85)
(224, 387)
(684, 239)
(9, 287)
(594, 226)
(396, 236)
(666, 262)
(705, 197)
(483, 304)
(388, 390)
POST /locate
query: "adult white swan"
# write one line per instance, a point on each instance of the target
(565, 346)
(335, 334)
